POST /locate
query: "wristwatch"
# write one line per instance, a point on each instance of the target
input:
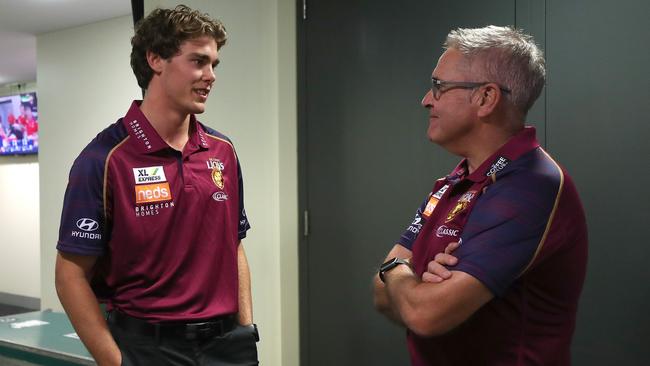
(390, 264)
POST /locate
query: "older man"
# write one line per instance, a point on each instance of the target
(511, 213)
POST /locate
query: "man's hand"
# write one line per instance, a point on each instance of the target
(436, 271)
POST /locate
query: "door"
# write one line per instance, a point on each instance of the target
(366, 164)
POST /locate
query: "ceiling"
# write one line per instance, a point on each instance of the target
(22, 20)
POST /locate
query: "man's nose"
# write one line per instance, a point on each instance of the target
(208, 74)
(427, 100)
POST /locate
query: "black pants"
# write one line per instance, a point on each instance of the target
(234, 348)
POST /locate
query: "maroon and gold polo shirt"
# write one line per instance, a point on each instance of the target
(165, 224)
(523, 234)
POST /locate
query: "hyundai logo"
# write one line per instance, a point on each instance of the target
(86, 224)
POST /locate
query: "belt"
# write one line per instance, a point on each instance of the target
(215, 327)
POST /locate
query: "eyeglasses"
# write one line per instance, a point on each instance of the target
(440, 86)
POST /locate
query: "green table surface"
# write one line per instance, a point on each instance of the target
(46, 341)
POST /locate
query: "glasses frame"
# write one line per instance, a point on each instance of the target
(439, 87)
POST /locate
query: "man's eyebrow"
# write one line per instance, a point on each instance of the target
(201, 56)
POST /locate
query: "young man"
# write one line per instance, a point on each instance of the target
(511, 213)
(153, 216)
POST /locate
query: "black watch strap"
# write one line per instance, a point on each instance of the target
(390, 264)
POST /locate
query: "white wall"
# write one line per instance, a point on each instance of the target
(20, 259)
(85, 83)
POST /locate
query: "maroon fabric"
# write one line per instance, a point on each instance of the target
(523, 235)
(168, 223)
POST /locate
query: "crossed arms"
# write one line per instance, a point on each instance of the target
(431, 305)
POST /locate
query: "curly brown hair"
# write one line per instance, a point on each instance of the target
(163, 31)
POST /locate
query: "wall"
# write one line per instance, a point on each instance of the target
(85, 83)
(597, 93)
(253, 103)
(19, 223)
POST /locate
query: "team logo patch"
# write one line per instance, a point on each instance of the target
(152, 174)
(217, 171)
(433, 200)
(461, 205)
(156, 192)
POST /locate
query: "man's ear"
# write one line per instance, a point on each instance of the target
(155, 62)
(489, 96)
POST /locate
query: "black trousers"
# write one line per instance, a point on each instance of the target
(235, 348)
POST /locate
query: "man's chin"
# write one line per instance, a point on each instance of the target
(197, 108)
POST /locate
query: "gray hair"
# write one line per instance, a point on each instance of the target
(506, 56)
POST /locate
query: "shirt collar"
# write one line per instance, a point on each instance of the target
(145, 137)
(519, 144)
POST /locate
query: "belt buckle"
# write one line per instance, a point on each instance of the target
(204, 330)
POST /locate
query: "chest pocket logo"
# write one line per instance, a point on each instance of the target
(217, 172)
(461, 205)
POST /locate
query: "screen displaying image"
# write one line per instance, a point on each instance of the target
(19, 124)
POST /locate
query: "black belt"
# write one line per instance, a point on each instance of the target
(214, 327)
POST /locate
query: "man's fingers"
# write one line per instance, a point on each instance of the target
(428, 277)
(445, 259)
(437, 269)
(451, 247)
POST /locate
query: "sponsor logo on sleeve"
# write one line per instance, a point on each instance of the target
(497, 166)
(156, 192)
(443, 230)
(87, 227)
(152, 174)
(416, 225)
(461, 205)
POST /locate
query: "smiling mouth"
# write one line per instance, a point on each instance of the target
(202, 92)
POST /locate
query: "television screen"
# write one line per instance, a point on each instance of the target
(18, 124)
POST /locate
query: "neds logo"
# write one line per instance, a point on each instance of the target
(152, 193)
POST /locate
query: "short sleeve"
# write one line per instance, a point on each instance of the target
(411, 233)
(84, 226)
(505, 229)
(244, 224)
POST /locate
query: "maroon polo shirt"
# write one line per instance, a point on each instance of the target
(164, 224)
(523, 234)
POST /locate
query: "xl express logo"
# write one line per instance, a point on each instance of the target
(152, 174)
(158, 188)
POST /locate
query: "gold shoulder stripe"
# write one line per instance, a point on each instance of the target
(551, 216)
(223, 140)
(108, 158)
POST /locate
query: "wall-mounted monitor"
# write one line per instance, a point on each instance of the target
(19, 124)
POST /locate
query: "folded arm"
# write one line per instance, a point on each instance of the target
(426, 308)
